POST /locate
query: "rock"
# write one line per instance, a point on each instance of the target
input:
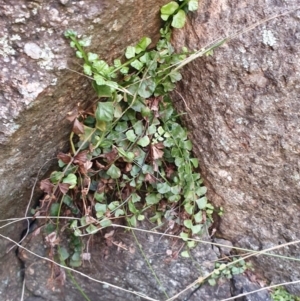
(243, 118)
(224, 248)
(38, 88)
(33, 50)
(125, 267)
(246, 135)
(242, 285)
(11, 277)
(64, 2)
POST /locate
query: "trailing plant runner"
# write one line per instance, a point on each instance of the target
(129, 152)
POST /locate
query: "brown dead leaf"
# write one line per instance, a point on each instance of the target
(72, 115)
(105, 185)
(78, 127)
(64, 157)
(109, 181)
(100, 166)
(101, 187)
(160, 145)
(86, 182)
(86, 167)
(154, 104)
(156, 151)
(111, 156)
(169, 171)
(150, 178)
(81, 158)
(52, 239)
(128, 167)
(63, 187)
(46, 186)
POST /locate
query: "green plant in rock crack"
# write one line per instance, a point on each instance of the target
(174, 13)
(221, 270)
(131, 153)
(281, 294)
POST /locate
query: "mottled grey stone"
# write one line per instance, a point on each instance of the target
(127, 267)
(224, 247)
(33, 50)
(242, 285)
(38, 88)
(244, 116)
(245, 121)
(64, 2)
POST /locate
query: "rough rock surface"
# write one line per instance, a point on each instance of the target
(244, 120)
(37, 89)
(248, 140)
(125, 267)
(242, 285)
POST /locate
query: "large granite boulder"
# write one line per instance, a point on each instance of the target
(244, 119)
(244, 103)
(38, 89)
(122, 266)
